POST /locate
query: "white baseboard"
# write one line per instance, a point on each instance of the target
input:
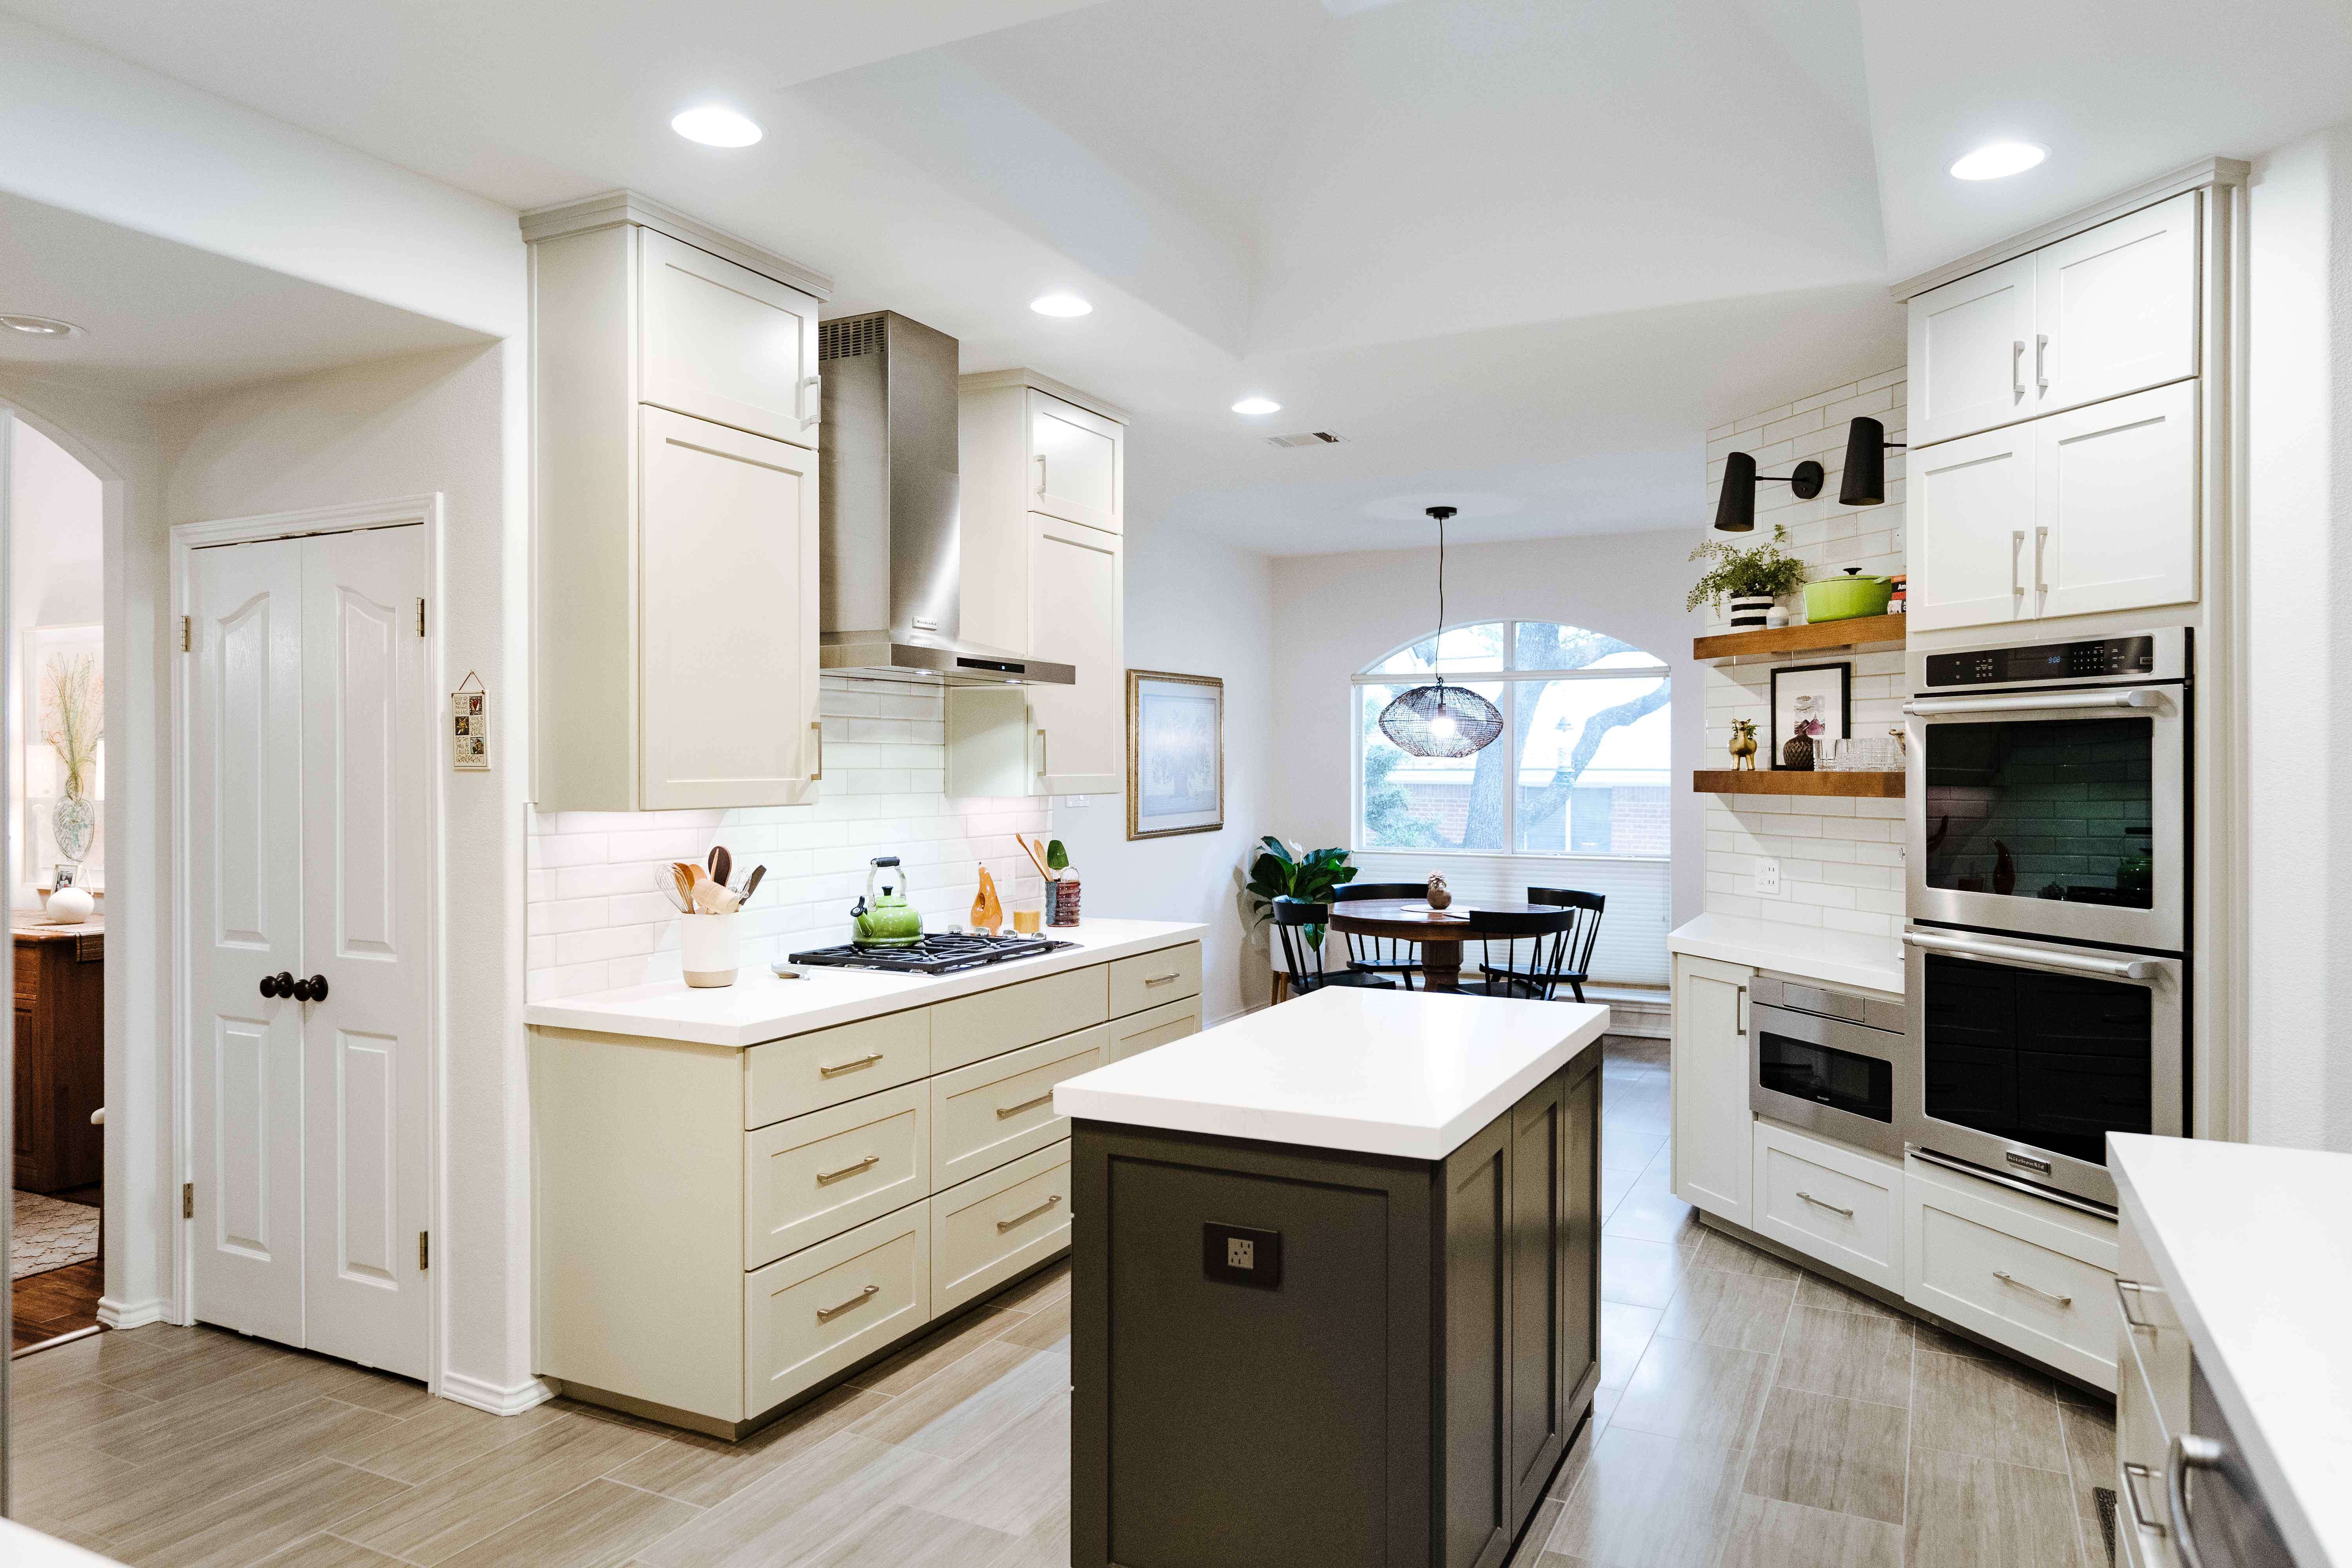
(508, 1400)
(117, 1314)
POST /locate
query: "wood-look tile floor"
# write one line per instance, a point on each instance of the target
(1750, 1417)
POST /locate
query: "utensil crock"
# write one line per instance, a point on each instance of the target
(707, 947)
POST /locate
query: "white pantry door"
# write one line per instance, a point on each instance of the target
(245, 914)
(366, 712)
(309, 717)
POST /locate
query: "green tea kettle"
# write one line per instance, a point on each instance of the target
(884, 918)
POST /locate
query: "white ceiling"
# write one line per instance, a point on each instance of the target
(164, 321)
(1524, 249)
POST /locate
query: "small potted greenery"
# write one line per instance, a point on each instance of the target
(1750, 578)
(1291, 871)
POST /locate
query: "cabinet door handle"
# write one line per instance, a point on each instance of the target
(1823, 1203)
(2133, 1476)
(823, 1313)
(2016, 553)
(2042, 361)
(2017, 368)
(1024, 1217)
(850, 1066)
(1041, 474)
(1005, 1110)
(1740, 1011)
(826, 1178)
(810, 403)
(2127, 1292)
(817, 727)
(2006, 1278)
(2041, 583)
(1042, 769)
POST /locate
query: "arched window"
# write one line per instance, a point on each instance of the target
(1579, 769)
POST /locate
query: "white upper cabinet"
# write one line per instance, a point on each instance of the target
(2111, 310)
(674, 407)
(1074, 616)
(723, 343)
(1971, 504)
(1075, 458)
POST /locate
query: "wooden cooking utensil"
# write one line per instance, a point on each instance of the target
(709, 897)
(752, 883)
(683, 874)
(1036, 856)
(722, 864)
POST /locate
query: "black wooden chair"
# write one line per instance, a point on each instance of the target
(1305, 960)
(1381, 954)
(1560, 956)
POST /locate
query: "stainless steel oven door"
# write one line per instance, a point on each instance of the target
(2023, 1056)
(2057, 814)
(1831, 1077)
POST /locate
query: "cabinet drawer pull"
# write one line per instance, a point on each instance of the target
(2006, 1278)
(2133, 1476)
(857, 1300)
(1160, 979)
(826, 1177)
(1005, 1110)
(852, 1065)
(2128, 1293)
(1026, 1216)
(1823, 1203)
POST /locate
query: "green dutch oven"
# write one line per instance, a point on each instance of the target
(1844, 598)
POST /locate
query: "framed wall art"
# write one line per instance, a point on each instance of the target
(1811, 702)
(1175, 753)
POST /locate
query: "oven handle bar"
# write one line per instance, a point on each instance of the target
(2041, 958)
(2024, 702)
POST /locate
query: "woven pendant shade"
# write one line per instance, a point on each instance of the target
(1440, 721)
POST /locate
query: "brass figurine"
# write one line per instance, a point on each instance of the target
(1743, 744)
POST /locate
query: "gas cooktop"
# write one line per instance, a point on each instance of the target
(934, 954)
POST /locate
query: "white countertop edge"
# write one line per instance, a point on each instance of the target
(667, 1011)
(2288, 1485)
(23, 1545)
(1809, 952)
(1350, 1135)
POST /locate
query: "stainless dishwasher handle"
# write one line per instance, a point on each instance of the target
(823, 1313)
(1823, 1203)
(2006, 1278)
(852, 1065)
(2006, 952)
(2113, 697)
(1005, 1110)
(2133, 1476)
(2187, 1451)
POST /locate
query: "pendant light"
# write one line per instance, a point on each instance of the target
(1438, 719)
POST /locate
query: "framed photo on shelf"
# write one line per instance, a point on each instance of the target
(1175, 753)
(1817, 697)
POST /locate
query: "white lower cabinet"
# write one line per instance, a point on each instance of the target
(2024, 1272)
(2151, 1399)
(818, 1174)
(825, 1308)
(1154, 1027)
(1840, 1205)
(990, 1111)
(992, 1227)
(1713, 1127)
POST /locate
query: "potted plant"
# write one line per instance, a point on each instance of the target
(1286, 871)
(1750, 578)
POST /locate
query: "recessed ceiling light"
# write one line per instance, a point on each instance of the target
(1257, 405)
(1998, 160)
(1060, 305)
(715, 126)
(39, 326)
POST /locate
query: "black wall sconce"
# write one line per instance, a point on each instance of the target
(1735, 509)
(1864, 483)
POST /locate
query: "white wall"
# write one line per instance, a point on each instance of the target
(436, 422)
(2299, 643)
(1334, 614)
(1196, 606)
(1841, 861)
(56, 510)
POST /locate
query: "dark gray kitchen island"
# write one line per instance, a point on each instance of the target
(1336, 1283)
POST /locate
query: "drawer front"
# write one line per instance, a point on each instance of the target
(1138, 1032)
(1148, 979)
(810, 1315)
(2152, 1341)
(1830, 1203)
(998, 1110)
(28, 972)
(818, 1175)
(2039, 1285)
(2141, 1536)
(986, 1230)
(809, 1072)
(990, 1023)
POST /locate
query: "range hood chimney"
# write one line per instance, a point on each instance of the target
(889, 521)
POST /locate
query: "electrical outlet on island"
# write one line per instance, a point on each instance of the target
(1768, 878)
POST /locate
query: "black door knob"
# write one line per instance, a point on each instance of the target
(278, 985)
(311, 990)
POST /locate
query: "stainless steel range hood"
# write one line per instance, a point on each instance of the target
(889, 521)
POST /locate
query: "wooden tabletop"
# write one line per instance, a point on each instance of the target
(31, 925)
(1440, 933)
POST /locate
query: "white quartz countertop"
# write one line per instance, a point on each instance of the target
(21, 1545)
(759, 1007)
(1411, 1073)
(1811, 953)
(2254, 1248)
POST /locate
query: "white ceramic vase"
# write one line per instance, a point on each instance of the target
(706, 946)
(1747, 611)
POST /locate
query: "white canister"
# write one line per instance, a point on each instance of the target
(706, 947)
(71, 905)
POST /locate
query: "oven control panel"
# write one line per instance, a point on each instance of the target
(2104, 658)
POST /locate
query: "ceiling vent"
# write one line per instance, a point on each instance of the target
(1306, 438)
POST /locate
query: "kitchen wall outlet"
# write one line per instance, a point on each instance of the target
(1078, 800)
(1238, 1255)
(1768, 878)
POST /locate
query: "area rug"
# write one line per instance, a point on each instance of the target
(51, 1234)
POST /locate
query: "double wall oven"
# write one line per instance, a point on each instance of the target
(2046, 948)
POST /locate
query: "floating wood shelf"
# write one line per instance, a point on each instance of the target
(1766, 781)
(1855, 633)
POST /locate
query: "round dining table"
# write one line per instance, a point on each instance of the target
(1439, 932)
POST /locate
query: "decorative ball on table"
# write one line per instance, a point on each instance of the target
(1439, 895)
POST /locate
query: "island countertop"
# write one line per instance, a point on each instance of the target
(1407, 1073)
(760, 1007)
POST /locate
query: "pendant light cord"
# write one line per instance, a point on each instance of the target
(1437, 643)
